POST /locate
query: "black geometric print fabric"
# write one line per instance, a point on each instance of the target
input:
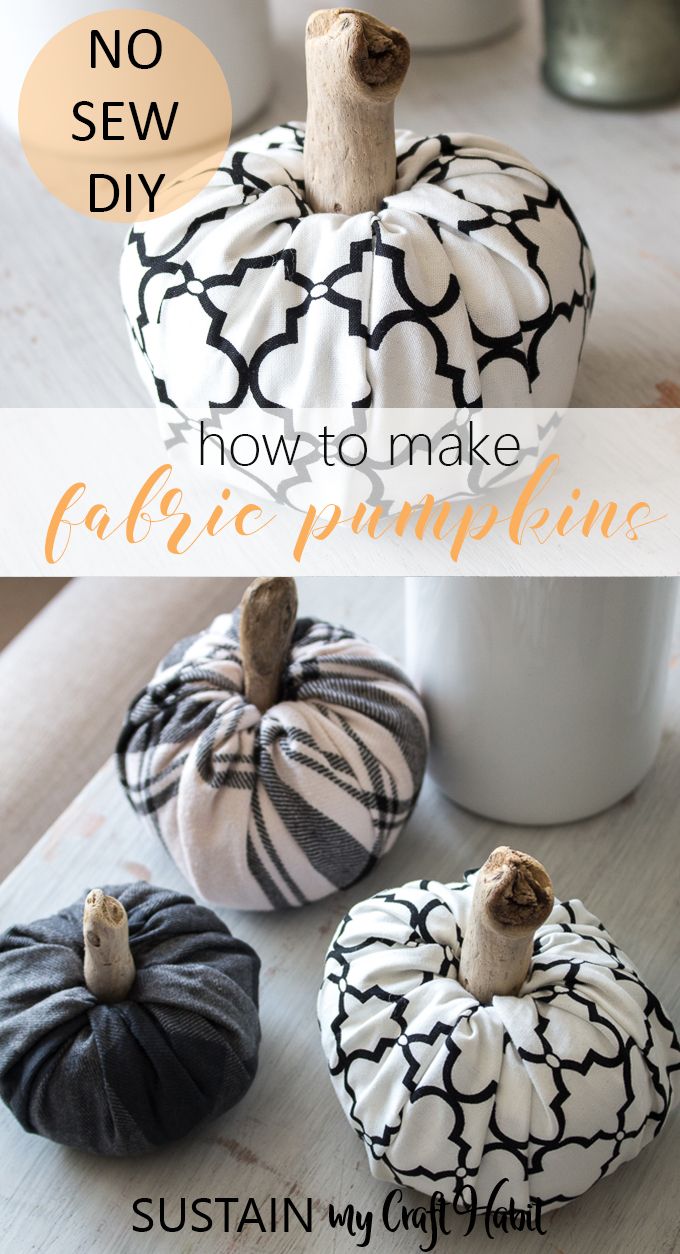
(265, 811)
(472, 285)
(552, 1089)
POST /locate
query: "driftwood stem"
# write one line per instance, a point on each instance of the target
(355, 68)
(268, 613)
(109, 966)
(512, 897)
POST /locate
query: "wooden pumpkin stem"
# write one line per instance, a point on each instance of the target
(268, 614)
(512, 897)
(355, 68)
(109, 965)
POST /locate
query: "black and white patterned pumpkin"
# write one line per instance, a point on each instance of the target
(471, 285)
(126, 1076)
(550, 1090)
(266, 810)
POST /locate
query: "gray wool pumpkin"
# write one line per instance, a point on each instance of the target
(126, 1077)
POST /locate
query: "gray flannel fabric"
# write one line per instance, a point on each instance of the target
(124, 1079)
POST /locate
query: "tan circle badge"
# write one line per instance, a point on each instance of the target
(124, 115)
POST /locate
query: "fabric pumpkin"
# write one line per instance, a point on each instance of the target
(472, 285)
(551, 1090)
(127, 1078)
(266, 811)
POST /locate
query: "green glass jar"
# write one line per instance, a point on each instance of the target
(613, 52)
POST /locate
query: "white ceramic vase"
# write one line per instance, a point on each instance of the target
(545, 696)
(237, 33)
(437, 25)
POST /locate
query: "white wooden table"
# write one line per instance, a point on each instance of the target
(62, 336)
(288, 1137)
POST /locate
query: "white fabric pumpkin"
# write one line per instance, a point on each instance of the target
(472, 285)
(550, 1090)
(264, 811)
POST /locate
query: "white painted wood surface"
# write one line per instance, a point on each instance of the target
(289, 1137)
(62, 336)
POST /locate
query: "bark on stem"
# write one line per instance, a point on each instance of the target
(109, 966)
(512, 897)
(268, 614)
(355, 68)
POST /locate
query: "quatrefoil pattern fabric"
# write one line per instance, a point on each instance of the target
(264, 811)
(550, 1090)
(472, 285)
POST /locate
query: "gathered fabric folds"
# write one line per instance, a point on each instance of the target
(128, 1077)
(530, 1099)
(264, 811)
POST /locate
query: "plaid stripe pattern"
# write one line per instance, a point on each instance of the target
(262, 812)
